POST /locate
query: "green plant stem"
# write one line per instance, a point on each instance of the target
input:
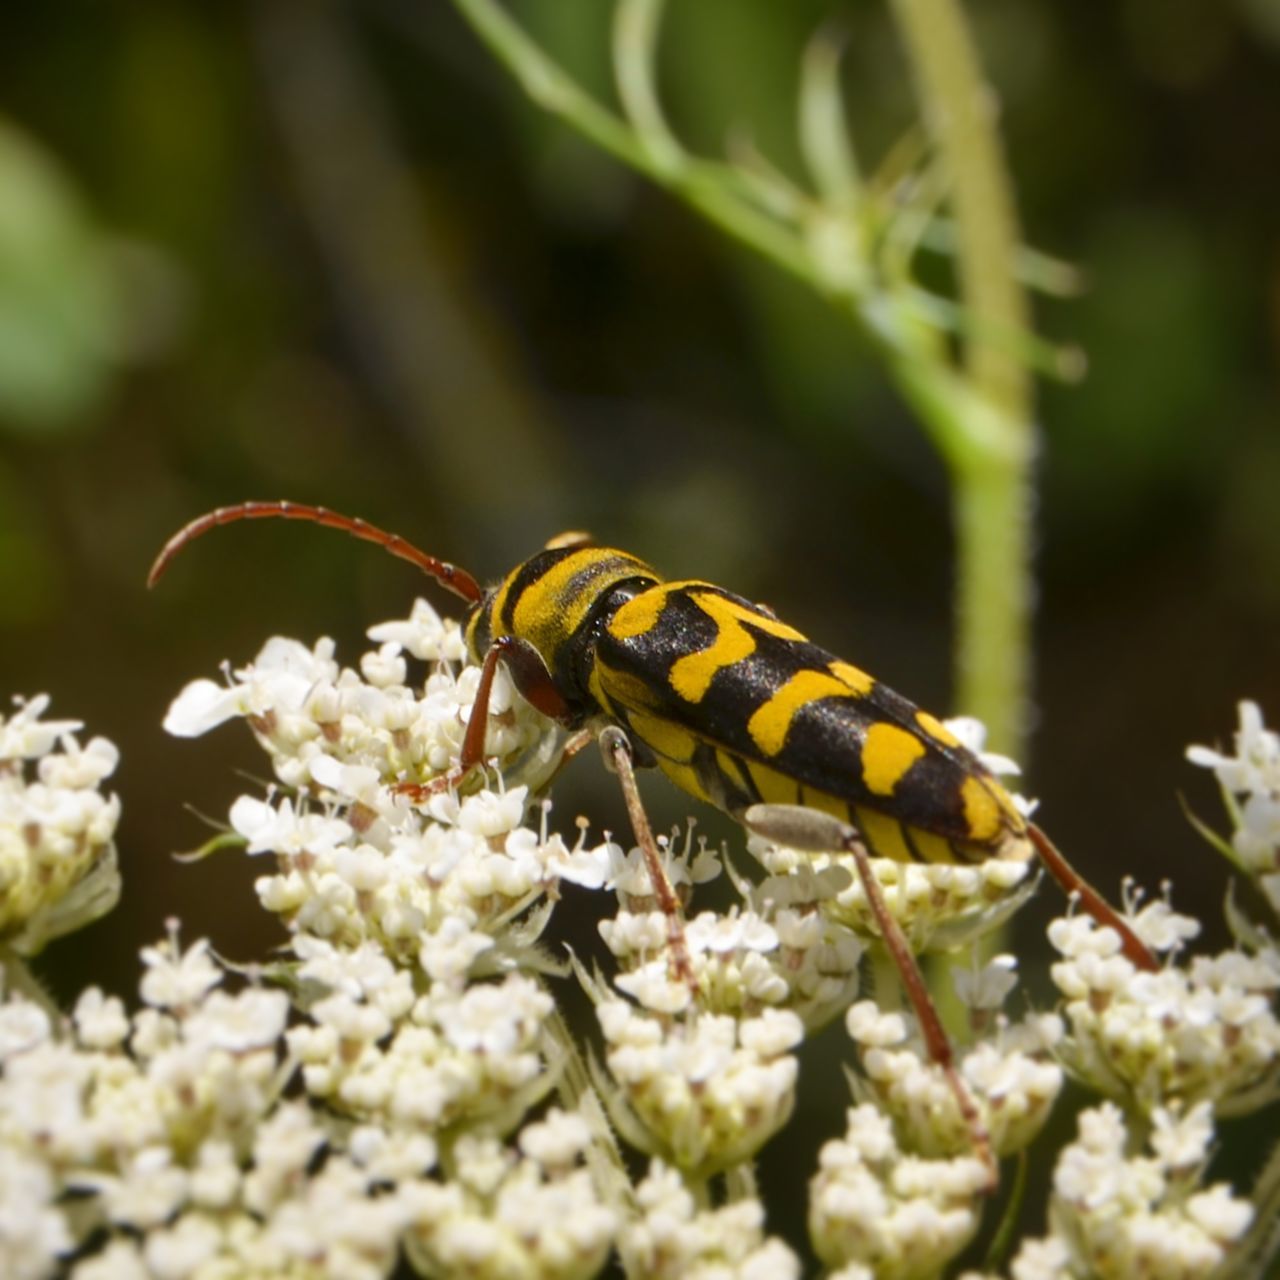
(992, 488)
(978, 417)
(699, 183)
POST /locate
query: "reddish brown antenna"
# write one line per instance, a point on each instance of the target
(459, 581)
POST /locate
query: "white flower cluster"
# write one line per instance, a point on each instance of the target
(877, 1211)
(159, 1145)
(705, 1093)
(396, 910)
(939, 906)
(303, 707)
(1250, 781)
(674, 1238)
(57, 855)
(437, 885)
(778, 950)
(505, 1213)
(1011, 1075)
(1115, 1215)
(1178, 1036)
(416, 1064)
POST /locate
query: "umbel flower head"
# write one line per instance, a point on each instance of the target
(57, 851)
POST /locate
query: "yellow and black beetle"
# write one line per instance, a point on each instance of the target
(737, 709)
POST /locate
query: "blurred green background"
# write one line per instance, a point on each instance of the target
(302, 249)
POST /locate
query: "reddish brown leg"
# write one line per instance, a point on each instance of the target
(937, 1042)
(576, 745)
(617, 754)
(1094, 903)
(808, 829)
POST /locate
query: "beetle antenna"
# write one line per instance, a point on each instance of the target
(449, 576)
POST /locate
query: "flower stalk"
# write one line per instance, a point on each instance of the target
(854, 242)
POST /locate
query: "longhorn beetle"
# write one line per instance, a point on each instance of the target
(737, 709)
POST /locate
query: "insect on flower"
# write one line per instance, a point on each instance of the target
(738, 709)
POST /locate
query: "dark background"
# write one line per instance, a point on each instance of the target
(329, 252)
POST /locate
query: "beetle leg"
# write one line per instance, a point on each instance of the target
(618, 757)
(530, 676)
(576, 744)
(812, 831)
(1073, 884)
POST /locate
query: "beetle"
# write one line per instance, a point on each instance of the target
(739, 710)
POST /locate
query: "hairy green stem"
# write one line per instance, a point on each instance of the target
(992, 487)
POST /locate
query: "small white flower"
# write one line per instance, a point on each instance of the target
(490, 813)
(147, 1192)
(283, 1147)
(1219, 1214)
(423, 634)
(447, 955)
(1257, 754)
(673, 1236)
(177, 980)
(250, 1019)
(868, 1026)
(215, 1179)
(101, 1022)
(23, 1025)
(1182, 1141)
(201, 706)
(120, 1260)
(24, 736)
(385, 667)
(283, 830)
(987, 987)
(557, 1140)
(396, 1155)
(184, 1248)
